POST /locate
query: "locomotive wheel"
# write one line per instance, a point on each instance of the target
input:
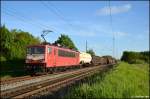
(50, 70)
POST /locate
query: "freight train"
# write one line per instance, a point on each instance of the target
(50, 58)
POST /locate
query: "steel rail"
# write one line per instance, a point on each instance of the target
(29, 90)
(17, 80)
(10, 80)
(55, 86)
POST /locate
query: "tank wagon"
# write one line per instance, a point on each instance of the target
(85, 58)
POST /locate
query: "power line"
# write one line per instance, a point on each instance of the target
(23, 18)
(57, 12)
(20, 18)
(60, 14)
(113, 51)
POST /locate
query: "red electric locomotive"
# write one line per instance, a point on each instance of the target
(49, 57)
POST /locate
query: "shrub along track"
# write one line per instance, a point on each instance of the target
(52, 83)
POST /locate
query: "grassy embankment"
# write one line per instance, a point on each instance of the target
(124, 81)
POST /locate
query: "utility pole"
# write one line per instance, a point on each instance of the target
(113, 44)
(111, 25)
(86, 45)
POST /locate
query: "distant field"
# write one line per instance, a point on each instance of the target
(124, 81)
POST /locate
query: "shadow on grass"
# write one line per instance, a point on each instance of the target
(13, 73)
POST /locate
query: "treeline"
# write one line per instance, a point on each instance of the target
(135, 57)
(14, 42)
(65, 40)
(13, 45)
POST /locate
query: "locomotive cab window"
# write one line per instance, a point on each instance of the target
(49, 50)
(35, 50)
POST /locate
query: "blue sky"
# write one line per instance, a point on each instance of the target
(84, 20)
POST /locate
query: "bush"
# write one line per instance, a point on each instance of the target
(138, 61)
(135, 57)
(2, 58)
(14, 42)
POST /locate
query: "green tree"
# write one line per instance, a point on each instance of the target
(135, 57)
(65, 40)
(6, 41)
(90, 51)
(14, 43)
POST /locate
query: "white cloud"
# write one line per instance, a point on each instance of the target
(114, 10)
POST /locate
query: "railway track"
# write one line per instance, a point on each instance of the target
(24, 80)
(12, 80)
(49, 83)
(18, 81)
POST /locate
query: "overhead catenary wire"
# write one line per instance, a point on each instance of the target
(62, 16)
(57, 12)
(21, 17)
(53, 9)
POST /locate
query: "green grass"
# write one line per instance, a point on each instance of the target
(123, 81)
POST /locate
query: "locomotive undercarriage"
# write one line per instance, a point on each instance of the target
(33, 69)
(38, 69)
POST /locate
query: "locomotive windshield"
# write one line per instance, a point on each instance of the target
(35, 50)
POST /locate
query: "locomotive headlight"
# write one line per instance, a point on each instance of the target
(27, 60)
(35, 58)
(41, 60)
